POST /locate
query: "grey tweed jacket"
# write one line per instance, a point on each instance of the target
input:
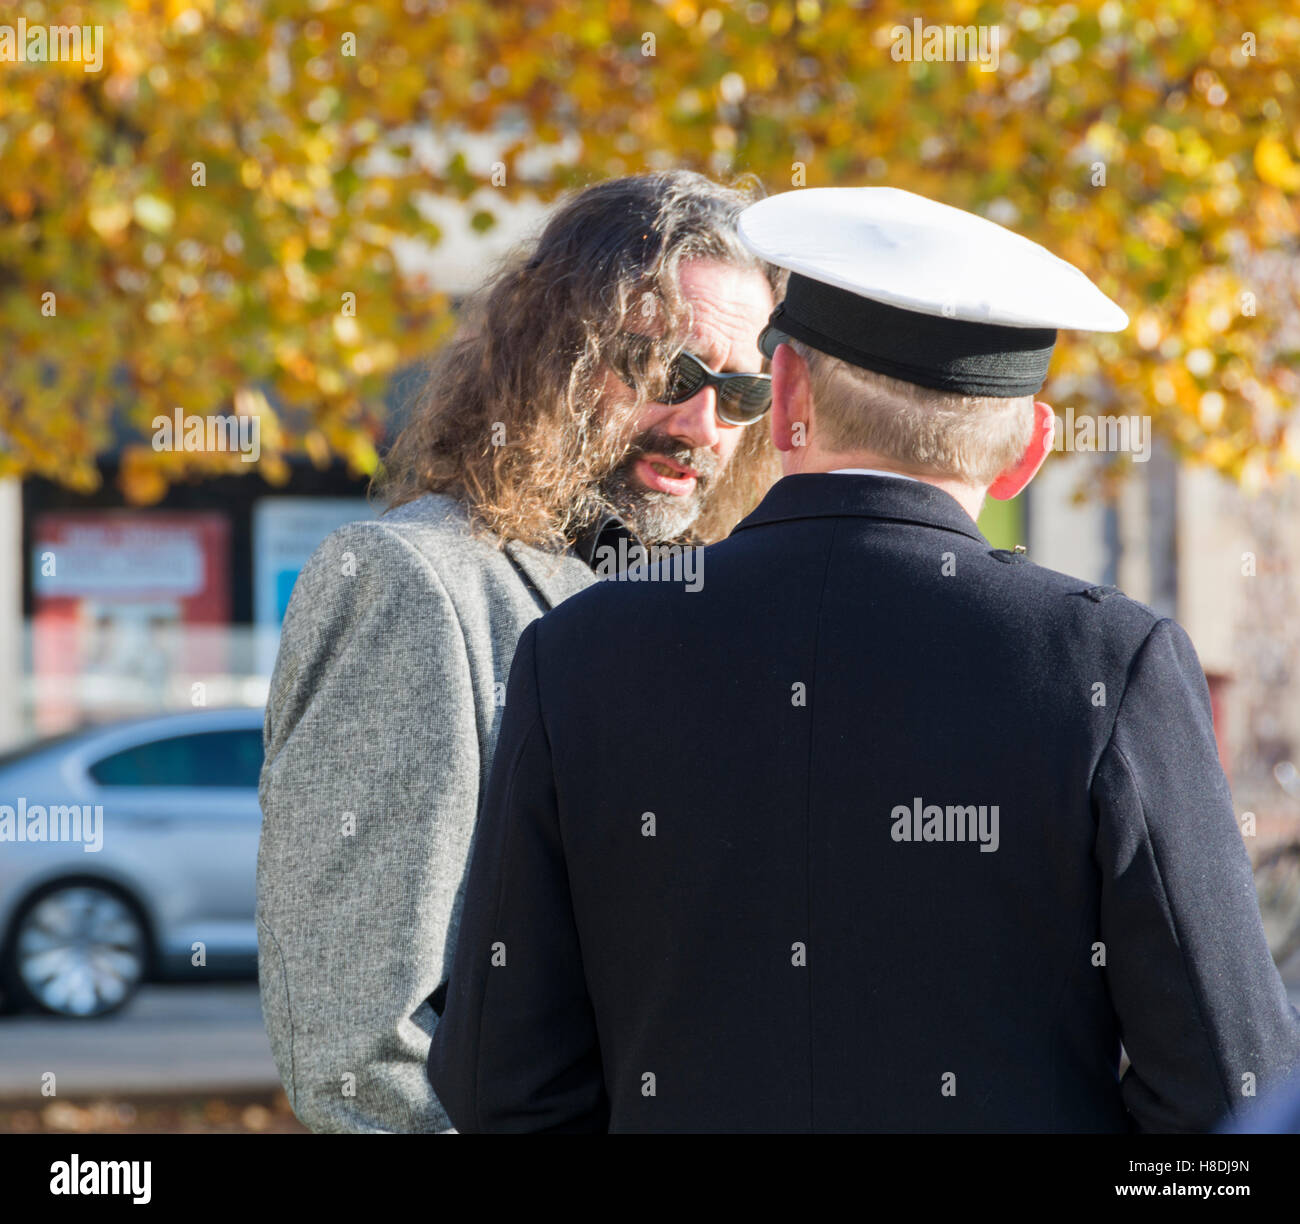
(380, 727)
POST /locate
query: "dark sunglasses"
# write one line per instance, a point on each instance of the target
(742, 398)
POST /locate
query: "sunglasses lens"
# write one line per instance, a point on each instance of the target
(744, 400)
(685, 377)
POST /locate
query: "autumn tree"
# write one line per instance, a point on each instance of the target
(208, 221)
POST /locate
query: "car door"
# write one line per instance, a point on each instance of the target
(190, 802)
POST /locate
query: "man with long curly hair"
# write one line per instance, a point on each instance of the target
(596, 391)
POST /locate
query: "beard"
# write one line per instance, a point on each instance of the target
(654, 516)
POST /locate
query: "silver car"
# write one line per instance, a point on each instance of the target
(128, 853)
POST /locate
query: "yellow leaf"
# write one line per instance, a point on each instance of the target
(153, 213)
(109, 220)
(318, 450)
(140, 479)
(1273, 164)
(362, 455)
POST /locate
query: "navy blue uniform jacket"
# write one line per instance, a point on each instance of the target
(880, 829)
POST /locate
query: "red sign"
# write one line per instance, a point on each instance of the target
(126, 605)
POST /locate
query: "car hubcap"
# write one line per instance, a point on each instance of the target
(80, 951)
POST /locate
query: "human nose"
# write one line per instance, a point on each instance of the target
(695, 421)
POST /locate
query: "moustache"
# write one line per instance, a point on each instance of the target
(701, 460)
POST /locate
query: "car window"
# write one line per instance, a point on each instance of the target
(210, 758)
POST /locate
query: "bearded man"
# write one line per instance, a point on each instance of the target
(599, 389)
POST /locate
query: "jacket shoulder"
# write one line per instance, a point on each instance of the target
(432, 533)
(1095, 598)
(437, 524)
(1099, 619)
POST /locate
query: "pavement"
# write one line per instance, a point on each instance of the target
(168, 1039)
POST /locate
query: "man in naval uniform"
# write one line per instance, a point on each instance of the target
(880, 828)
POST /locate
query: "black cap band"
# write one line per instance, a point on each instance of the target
(929, 350)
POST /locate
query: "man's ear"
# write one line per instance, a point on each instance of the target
(1013, 479)
(791, 399)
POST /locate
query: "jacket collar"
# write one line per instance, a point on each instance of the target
(605, 531)
(554, 575)
(832, 495)
(548, 572)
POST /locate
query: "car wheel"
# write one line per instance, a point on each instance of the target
(77, 949)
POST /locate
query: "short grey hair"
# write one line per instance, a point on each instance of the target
(971, 438)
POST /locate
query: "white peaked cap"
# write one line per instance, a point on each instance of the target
(919, 290)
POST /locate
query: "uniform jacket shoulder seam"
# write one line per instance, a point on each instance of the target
(1119, 707)
(1173, 918)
